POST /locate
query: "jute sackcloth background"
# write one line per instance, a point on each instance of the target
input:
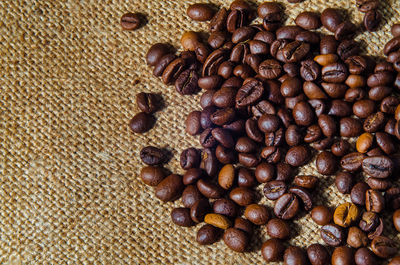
(69, 186)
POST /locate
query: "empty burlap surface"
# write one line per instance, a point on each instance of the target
(69, 186)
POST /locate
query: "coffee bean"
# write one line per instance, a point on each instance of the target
(191, 195)
(218, 22)
(199, 210)
(364, 142)
(207, 139)
(192, 175)
(156, 52)
(309, 70)
(272, 250)
(146, 102)
(293, 52)
(308, 20)
(297, 156)
(350, 127)
(357, 64)
(304, 195)
(326, 163)
(207, 235)
(226, 176)
(294, 255)
(374, 201)
(131, 21)
(334, 73)
(383, 247)
(244, 225)
(264, 172)
(369, 221)
(169, 188)
(379, 184)
(313, 133)
(225, 207)
(257, 214)
(344, 182)
(345, 214)
(332, 234)
(151, 175)
(213, 61)
(354, 94)
(173, 70)
(392, 196)
(356, 238)
(190, 158)
(342, 255)
(200, 12)
(340, 148)
(345, 30)
(217, 39)
(243, 34)
(270, 69)
(378, 166)
(192, 123)
(245, 178)
(290, 102)
(209, 189)
(236, 19)
(325, 59)
(248, 160)
(364, 256)
(356, 81)
(236, 239)
(374, 122)
(303, 114)
(277, 228)
(305, 181)
(328, 44)
(224, 137)
(151, 155)
(291, 87)
(276, 138)
(348, 48)
(181, 217)
(263, 107)
(249, 93)
(252, 130)
(206, 99)
(385, 142)
(242, 196)
(321, 215)
(357, 193)
(141, 122)
(327, 125)
(217, 220)
(331, 19)
(190, 40)
(287, 206)
(225, 155)
(318, 255)
(384, 78)
(371, 20)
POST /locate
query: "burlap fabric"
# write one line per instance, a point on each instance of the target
(69, 186)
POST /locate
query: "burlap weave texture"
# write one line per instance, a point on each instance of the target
(69, 186)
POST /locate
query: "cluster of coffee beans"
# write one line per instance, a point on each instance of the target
(273, 97)
(372, 17)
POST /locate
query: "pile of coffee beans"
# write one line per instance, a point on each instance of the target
(273, 97)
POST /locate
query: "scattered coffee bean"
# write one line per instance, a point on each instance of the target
(272, 250)
(131, 21)
(200, 12)
(236, 239)
(207, 235)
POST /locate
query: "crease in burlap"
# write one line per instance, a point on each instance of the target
(69, 187)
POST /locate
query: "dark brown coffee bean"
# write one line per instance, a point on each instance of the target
(209, 162)
(348, 48)
(369, 221)
(293, 52)
(156, 52)
(371, 20)
(286, 116)
(350, 127)
(257, 214)
(345, 30)
(291, 87)
(287, 206)
(383, 247)
(173, 70)
(242, 196)
(331, 19)
(200, 12)
(213, 61)
(357, 193)
(270, 69)
(290, 102)
(327, 125)
(308, 36)
(332, 234)
(263, 107)
(292, 70)
(304, 195)
(344, 182)
(321, 215)
(209, 189)
(379, 93)
(308, 20)
(277, 228)
(237, 127)
(389, 104)
(352, 161)
(364, 256)
(374, 122)
(209, 82)
(392, 45)
(318, 255)
(131, 21)
(242, 34)
(218, 22)
(252, 130)
(223, 116)
(356, 238)
(274, 189)
(245, 178)
(245, 145)
(378, 166)
(224, 97)
(207, 139)
(357, 64)
(207, 235)
(268, 123)
(363, 108)
(225, 155)
(392, 197)
(297, 156)
(264, 172)
(313, 91)
(276, 138)
(225, 207)
(340, 148)
(181, 217)
(306, 181)
(244, 225)
(206, 99)
(192, 175)
(236, 239)
(205, 117)
(313, 133)
(334, 73)
(384, 78)
(309, 70)
(390, 126)
(328, 45)
(367, 5)
(293, 135)
(284, 172)
(217, 39)
(141, 122)
(320, 106)
(192, 123)
(374, 201)
(379, 184)
(199, 209)
(169, 188)
(151, 155)
(147, 102)
(342, 255)
(354, 94)
(288, 32)
(151, 175)
(236, 19)
(303, 114)
(271, 14)
(385, 142)
(294, 255)
(326, 163)
(190, 196)
(272, 250)
(249, 93)
(190, 158)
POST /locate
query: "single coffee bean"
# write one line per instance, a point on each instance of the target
(344, 182)
(348, 48)
(342, 255)
(363, 108)
(207, 139)
(389, 104)
(328, 45)
(364, 256)
(379, 184)
(268, 123)
(209, 189)
(147, 102)
(131, 21)
(374, 122)
(217, 39)
(141, 122)
(309, 70)
(308, 20)
(156, 52)
(276, 138)
(313, 91)
(287, 206)
(357, 193)
(305, 181)
(190, 40)
(218, 22)
(297, 156)
(224, 137)
(272, 250)
(226, 176)
(356, 238)
(384, 78)
(264, 172)
(364, 142)
(385, 142)
(369, 221)
(380, 92)
(217, 220)
(291, 87)
(293, 135)
(270, 69)
(284, 172)
(354, 94)
(192, 175)
(190, 196)
(313, 134)
(321, 215)
(383, 247)
(371, 20)
(207, 235)
(225, 155)
(290, 102)
(277, 228)
(151, 155)
(374, 201)
(252, 130)
(213, 61)
(209, 162)
(245, 178)
(181, 217)
(236, 239)
(237, 18)
(206, 99)
(322, 144)
(243, 34)
(332, 234)
(263, 107)
(346, 214)
(173, 70)
(151, 175)
(294, 255)
(249, 93)
(378, 166)
(192, 123)
(304, 195)
(334, 73)
(340, 148)
(331, 19)
(318, 255)
(274, 189)
(225, 207)
(375, 152)
(303, 114)
(244, 225)
(345, 30)
(200, 12)
(357, 64)
(257, 214)
(325, 59)
(248, 160)
(293, 52)
(350, 127)
(190, 158)
(199, 210)
(242, 196)
(169, 188)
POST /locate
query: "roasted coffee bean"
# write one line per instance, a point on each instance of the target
(190, 40)
(263, 107)
(271, 154)
(268, 123)
(321, 215)
(191, 195)
(367, 5)
(290, 102)
(249, 93)
(369, 221)
(363, 108)
(258, 47)
(371, 20)
(156, 52)
(303, 114)
(326, 163)
(385, 142)
(322, 144)
(328, 45)
(151, 155)
(291, 87)
(297, 156)
(200, 12)
(217, 220)
(305, 181)
(223, 116)
(318, 255)
(313, 133)
(293, 52)
(209, 82)
(374, 201)
(264, 172)
(244, 225)
(304, 195)
(292, 70)
(223, 136)
(339, 108)
(340, 148)
(245, 178)
(248, 160)
(357, 193)
(209, 189)
(213, 61)
(207, 139)
(395, 30)
(308, 20)
(378, 166)
(395, 261)
(169, 188)
(245, 145)
(242, 34)
(325, 59)
(225, 207)
(396, 220)
(332, 234)
(331, 19)
(391, 46)
(390, 127)
(350, 127)
(384, 78)
(277, 228)
(141, 122)
(288, 32)
(147, 102)
(192, 175)
(226, 69)
(327, 125)
(294, 255)
(173, 70)
(313, 91)
(242, 196)
(356, 81)
(354, 94)
(293, 135)
(272, 250)
(252, 130)
(190, 158)
(345, 30)
(274, 189)
(348, 48)
(364, 256)
(181, 217)
(364, 142)
(205, 117)
(287, 206)
(284, 172)
(342, 255)
(334, 73)
(236, 239)
(226, 176)
(257, 214)
(270, 69)
(275, 138)
(286, 116)
(374, 122)
(357, 64)
(356, 238)
(207, 235)
(151, 175)
(225, 155)
(217, 39)
(273, 93)
(236, 19)
(383, 247)
(344, 182)
(218, 22)
(379, 184)
(334, 90)
(224, 97)
(131, 21)
(346, 214)
(309, 70)
(206, 99)
(209, 162)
